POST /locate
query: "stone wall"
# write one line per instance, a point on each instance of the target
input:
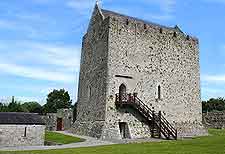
(67, 117)
(50, 120)
(214, 119)
(153, 56)
(92, 81)
(14, 135)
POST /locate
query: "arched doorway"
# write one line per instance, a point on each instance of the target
(122, 93)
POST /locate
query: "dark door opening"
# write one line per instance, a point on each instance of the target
(124, 131)
(122, 93)
(59, 124)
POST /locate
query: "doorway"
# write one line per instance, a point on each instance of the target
(59, 124)
(124, 131)
(122, 93)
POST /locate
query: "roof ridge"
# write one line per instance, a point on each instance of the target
(109, 12)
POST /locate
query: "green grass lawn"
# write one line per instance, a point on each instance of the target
(61, 138)
(214, 144)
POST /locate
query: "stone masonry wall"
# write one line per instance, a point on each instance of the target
(214, 119)
(13, 135)
(92, 82)
(153, 55)
(67, 117)
(50, 121)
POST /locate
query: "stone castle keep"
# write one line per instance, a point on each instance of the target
(137, 79)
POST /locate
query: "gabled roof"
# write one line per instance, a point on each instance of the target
(108, 13)
(20, 118)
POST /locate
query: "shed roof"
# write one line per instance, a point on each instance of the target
(20, 118)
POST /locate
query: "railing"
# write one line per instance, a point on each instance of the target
(157, 121)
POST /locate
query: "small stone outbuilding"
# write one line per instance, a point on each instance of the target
(62, 120)
(21, 129)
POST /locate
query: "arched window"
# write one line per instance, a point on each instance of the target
(122, 92)
(159, 92)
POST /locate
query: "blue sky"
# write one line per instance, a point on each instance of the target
(40, 41)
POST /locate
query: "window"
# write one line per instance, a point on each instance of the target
(161, 30)
(159, 92)
(174, 34)
(145, 26)
(89, 92)
(127, 22)
(25, 132)
(188, 37)
(122, 93)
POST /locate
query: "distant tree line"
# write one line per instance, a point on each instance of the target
(56, 99)
(213, 104)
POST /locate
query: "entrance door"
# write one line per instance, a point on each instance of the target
(124, 132)
(122, 93)
(59, 124)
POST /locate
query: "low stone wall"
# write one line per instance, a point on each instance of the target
(22, 135)
(214, 119)
(190, 129)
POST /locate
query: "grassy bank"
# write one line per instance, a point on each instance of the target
(61, 138)
(213, 144)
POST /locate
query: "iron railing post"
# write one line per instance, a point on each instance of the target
(160, 124)
(153, 124)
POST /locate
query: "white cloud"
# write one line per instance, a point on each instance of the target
(59, 55)
(213, 78)
(36, 73)
(212, 93)
(81, 6)
(167, 8)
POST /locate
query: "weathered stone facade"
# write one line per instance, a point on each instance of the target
(50, 120)
(159, 63)
(214, 119)
(22, 135)
(66, 115)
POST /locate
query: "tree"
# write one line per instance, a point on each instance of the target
(14, 106)
(57, 99)
(3, 107)
(32, 107)
(213, 104)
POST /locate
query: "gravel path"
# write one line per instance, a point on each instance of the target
(89, 142)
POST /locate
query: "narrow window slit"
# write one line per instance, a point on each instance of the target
(127, 22)
(25, 132)
(159, 92)
(161, 30)
(145, 26)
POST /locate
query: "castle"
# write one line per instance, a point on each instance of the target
(137, 79)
